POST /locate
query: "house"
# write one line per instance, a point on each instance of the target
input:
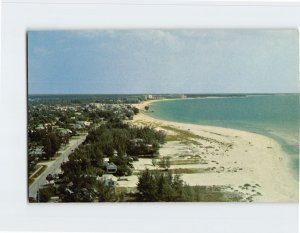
(108, 180)
(110, 167)
(63, 131)
(88, 123)
(105, 160)
(75, 126)
(84, 123)
(40, 127)
(37, 151)
(96, 105)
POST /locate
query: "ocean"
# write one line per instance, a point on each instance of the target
(276, 116)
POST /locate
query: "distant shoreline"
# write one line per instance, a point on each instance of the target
(161, 94)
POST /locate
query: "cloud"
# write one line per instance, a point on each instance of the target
(159, 60)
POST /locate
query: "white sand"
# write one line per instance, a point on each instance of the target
(238, 158)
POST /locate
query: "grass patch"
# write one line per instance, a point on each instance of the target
(37, 174)
(30, 181)
(212, 194)
(57, 154)
(181, 134)
(186, 137)
(136, 173)
(170, 138)
(37, 167)
(185, 161)
(120, 190)
(189, 170)
(178, 170)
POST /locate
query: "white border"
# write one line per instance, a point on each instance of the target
(16, 214)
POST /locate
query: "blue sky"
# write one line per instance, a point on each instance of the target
(162, 61)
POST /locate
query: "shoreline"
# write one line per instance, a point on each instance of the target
(275, 136)
(256, 158)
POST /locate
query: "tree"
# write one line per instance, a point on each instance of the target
(47, 148)
(123, 164)
(146, 108)
(168, 163)
(45, 194)
(165, 189)
(135, 110)
(49, 178)
(147, 186)
(51, 144)
(155, 186)
(105, 193)
(65, 139)
(123, 170)
(154, 162)
(164, 163)
(55, 142)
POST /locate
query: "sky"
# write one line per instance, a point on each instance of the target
(163, 61)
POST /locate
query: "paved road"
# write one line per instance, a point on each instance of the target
(54, 165)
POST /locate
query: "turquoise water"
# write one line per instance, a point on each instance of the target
(276, 116)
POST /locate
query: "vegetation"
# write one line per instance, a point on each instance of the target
(106, 193)
(125, 139)
(166, 187)
(41, 168)
(186, 136)
(154, 162)
(115, 140)
(164, 163)
(51, 143)
(46, 193)
(135, 110)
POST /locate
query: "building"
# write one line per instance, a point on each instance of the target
(37, 151)
(108, 180)
(150, 97)
(110, 167)
(75, 126)
(63, 131)
(40, 127)
(84, 123)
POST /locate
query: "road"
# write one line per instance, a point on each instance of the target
(54, 165)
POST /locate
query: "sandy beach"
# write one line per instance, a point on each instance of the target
(251, 164)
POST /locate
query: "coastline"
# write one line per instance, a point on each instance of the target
(251, 159)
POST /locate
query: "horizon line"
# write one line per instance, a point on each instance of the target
(175, 93)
